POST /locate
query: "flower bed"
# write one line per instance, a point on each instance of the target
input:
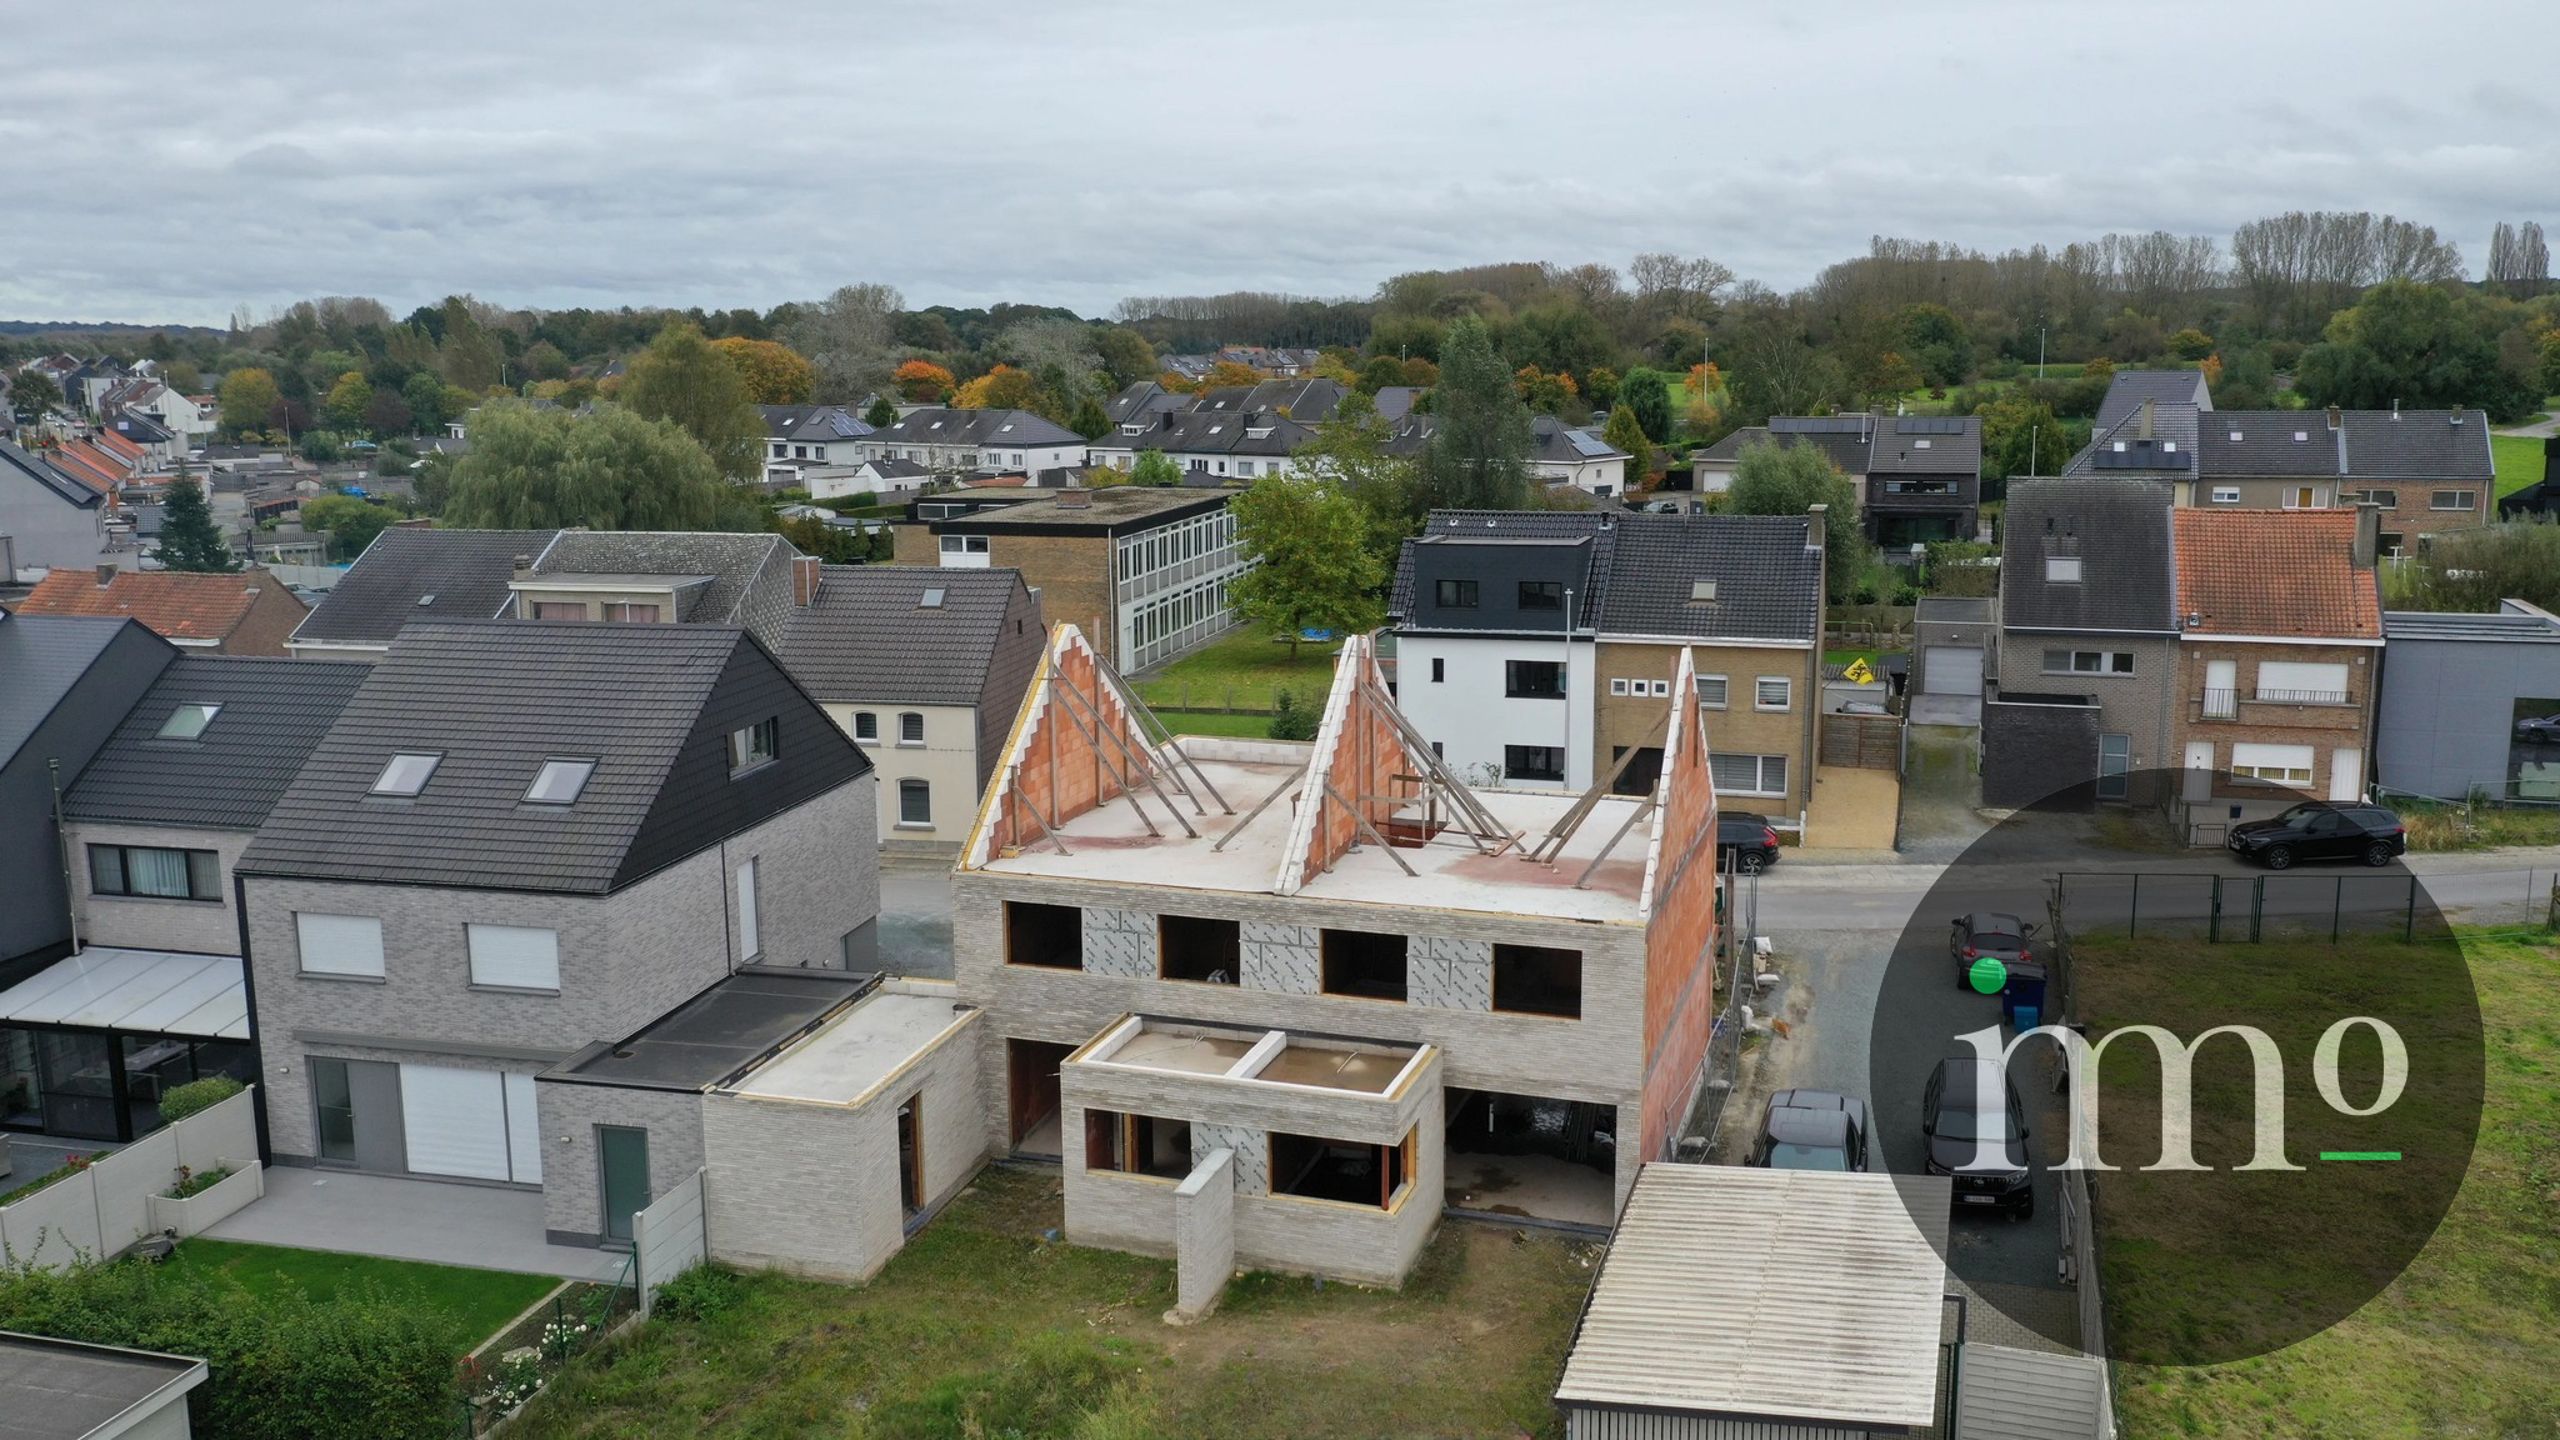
(508, 1371)
(203, 1199)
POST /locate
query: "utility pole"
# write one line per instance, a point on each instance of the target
(2039, 352)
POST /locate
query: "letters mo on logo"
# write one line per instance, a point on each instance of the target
(2177, 1063)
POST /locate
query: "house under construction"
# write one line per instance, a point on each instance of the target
(1280, 1005)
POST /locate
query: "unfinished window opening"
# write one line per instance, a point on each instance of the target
(1531, 1155)
(1537, 980)
(1364, 965)
(1209, 951)
(1031, 1084)
(1347, 1171)
(1049, 936)
(911, 1157)
(1137, 1144)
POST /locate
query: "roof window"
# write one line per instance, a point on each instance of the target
(559, 782)
(2062, 569)
(188, 721)
(2235, 437)
(932, 599)
(405, 775)
(1702, 591)
(1919, 444)
(2300, 436)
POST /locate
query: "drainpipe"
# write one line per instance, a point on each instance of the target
(62, 842)
(1566, 679)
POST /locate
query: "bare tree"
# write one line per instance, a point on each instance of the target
(1669, 287)
(2519, 261)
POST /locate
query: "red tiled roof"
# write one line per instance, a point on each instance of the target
(179, 606)
(2274, 572)
(119, 447)
(88, 466)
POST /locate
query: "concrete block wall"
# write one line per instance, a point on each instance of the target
(1250, 1167)
(1120, 942)
(1452, 973)
(572, 1204)
(1287, 959)
(2142, 704)
(1204, 1228)
(817, 877)
(203, 927)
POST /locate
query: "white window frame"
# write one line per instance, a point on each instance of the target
(1723, 692)
(1618, 685)
(1786, 693)
(743, 755)
(1760, 766)
(2062, 569)
(1661, 689)
(514, 957)
(2263, 764)
(2226, 494)
(910, 728)
(750, 924)
(348, 946)
(918, 786)
(2270, 672)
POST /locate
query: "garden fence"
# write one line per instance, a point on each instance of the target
(511, 1370)
(2300, 904)
(1739, 963)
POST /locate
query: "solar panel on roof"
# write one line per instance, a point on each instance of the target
(1818, 424)
(1928, 425)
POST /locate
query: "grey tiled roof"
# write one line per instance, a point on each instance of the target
(1393, 401)
(2366, 445)
(17, 465)
(2127, 389)
(938, 426)
(750, 574)
(273, 713)
(812, 423)
(495, 699)
(1768, 585)
(41, 658)
(2118, 528)
(1554, 442)
(869, 637)
(2171, 448)
(407, 575)
(1846, 450)
(1926, 445)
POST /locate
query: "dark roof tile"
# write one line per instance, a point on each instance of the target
(274, 712)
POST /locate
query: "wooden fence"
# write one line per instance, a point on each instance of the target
(1862, 742)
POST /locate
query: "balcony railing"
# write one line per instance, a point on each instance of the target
(2225, 704)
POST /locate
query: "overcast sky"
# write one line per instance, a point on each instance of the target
(171, 162)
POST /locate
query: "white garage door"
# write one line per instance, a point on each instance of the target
(1951, 670)
(477, 1124)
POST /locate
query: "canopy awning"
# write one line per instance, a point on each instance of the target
(154, 992)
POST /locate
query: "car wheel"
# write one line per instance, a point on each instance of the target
(2280, 857)
(1751, 863)
(2377, 854)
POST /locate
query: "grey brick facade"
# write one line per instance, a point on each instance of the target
(572, 1207)
(203, 927)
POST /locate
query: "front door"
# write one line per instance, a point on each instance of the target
(2346, 774)
(356, 1114)
(2115, 762)
(622, 1162)
(2199, 771)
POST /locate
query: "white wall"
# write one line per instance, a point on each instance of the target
(1471, 718)
(947, 761)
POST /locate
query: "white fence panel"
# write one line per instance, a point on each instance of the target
(54, 1228)
(669, 1238)
(126, 1181)
(107, 1207)
(220, 1136)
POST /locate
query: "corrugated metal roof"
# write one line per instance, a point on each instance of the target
(2010, 1394)
(1783, 1294)
(153, 991)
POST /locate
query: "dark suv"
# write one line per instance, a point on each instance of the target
(1812, 1130)
(2317, 830)
(1748, 838)
(1986, 933)
(1977, 1134)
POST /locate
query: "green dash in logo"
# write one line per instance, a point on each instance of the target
(2359, 1154)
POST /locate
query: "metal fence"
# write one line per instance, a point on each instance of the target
(499, 1378)
(1738, 964)
(2334, 904)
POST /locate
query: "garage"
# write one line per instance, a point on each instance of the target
(471, 1124)
(1951, 670)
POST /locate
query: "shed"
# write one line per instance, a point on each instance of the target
(2006, 1394)
(1747, 1304)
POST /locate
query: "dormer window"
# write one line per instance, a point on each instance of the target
(188, 721)
(559, 782)
(751, 746)
(405, 775)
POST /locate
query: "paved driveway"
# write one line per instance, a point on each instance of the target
(1941, 792)
(1962, 710)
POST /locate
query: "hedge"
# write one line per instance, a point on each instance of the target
(180, 1101)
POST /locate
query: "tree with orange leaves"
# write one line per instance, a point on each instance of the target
(922, 381)
(1229, 373)
(775, 373)
(1003, 388)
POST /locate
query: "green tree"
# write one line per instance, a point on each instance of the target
(387, 416)
(531, 469)
(182, 377)
(1648, 394)
(1313, 568)
(2419, 346)
(2021, 436)
(31, 394)
(1154, 467)
(1379, 372)
(1348, 455)
(1291, 720)
(1627, 434)
(249, 400)
(882, 414)
(1088, 419)
(425, 393)
(1478, 457)
(1935, 341)
(351, 522)
(1126, 356)
(544, 361)
(345, 406)
(470, 357)
(189, 540)
(2191, 344)
(683, 378)
(1600, 387)
(1791, 480)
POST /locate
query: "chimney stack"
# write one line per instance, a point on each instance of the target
(1817, 527)
(1075, 496)
(106, 574)
(2368, 534)
(804, 580)
(2337, 417)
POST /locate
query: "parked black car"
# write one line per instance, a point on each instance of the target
(1748, 838)
(2318, 830)
(2539, 729)
(1986, 933)
(1812, 1130)
(1977, 1134)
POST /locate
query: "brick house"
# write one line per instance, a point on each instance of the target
(1918, 477)
(250, 613)
(2279, 654)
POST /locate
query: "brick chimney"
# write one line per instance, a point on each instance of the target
(804, 580)
(2368, 534)
(2337, 417)
(106, 574)
(1075, 496)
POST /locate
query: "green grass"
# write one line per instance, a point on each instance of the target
(1216, 722)
(2457, 1345)
(981, 1328)
(2519, 460)
(1874, 658)
(1244, 668)
(478, 1301)
(2437, 828)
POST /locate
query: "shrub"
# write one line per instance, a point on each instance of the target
(699, 1293)
(180, 1101)
(283, 1367)
(1290, 721)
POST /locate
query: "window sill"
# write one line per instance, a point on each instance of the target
(344, 979)
(913, 825)
(480, 989)
(1538, 1014)
(911, 745)
(1772, 709)
(743, 772)
(214, 900)
(1370, 999)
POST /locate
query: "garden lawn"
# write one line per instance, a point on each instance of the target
(2459, 1344)
(2519, 460)
(1216, 722)
(1242, 670)
(980, 1327)
(479, 1301)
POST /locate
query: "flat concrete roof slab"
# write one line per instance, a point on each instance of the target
(715, 1034)
(853, 1052)
(61, 1388)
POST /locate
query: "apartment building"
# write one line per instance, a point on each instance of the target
(2279, 658)
(1146, 569)
(1281, 1006)
(957, 442)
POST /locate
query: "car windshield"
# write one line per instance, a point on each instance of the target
(1807, 1157)
(1976, 1125)
(2301, 816)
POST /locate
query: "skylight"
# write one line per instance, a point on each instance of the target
(405, 775)
(560, 782)
(188, 721)
(932, 600)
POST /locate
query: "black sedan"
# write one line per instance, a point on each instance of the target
(1977, 1134)
(1812, 1130)
(2317, 830)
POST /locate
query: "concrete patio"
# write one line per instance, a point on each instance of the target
(477, 1225)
